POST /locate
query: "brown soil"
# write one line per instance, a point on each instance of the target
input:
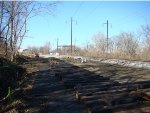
(51, 85)
(43, 92)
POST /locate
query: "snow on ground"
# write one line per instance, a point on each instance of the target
(48, 55)
(135, 64)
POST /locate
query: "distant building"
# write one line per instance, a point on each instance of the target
(66, 49)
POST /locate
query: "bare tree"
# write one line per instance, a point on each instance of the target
(45, 49)
(110, 45)
(31, 51)
(127, 44)
(13, 21)
(100, 42)
(146, 35)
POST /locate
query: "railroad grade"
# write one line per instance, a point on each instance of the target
(101, 94)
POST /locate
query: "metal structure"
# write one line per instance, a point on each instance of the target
(107, 34)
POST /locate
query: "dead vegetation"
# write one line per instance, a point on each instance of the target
(10, 75)
(15, 76)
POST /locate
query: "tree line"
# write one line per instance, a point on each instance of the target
(126, 45)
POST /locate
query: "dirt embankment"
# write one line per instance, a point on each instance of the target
(12, 76)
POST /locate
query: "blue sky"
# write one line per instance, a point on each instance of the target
(89, 18)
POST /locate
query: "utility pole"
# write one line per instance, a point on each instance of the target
(87, 45)
(71, 35)
(75, 45)
(57, 45)
(107, 34)
(71, 22)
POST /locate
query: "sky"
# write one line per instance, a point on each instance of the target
(89, 18)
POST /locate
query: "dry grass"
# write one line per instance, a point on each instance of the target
(118, 73)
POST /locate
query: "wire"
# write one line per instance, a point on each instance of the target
(92, 11)
(133, 15)
(78, 8)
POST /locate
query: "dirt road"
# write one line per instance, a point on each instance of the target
(65, 86)
(48, 94)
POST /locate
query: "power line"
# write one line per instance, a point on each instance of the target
(78, 9)
(76, 22)
(92, 11)
(135, 14)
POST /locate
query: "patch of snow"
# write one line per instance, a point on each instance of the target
(82, 59)
(136, 64)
